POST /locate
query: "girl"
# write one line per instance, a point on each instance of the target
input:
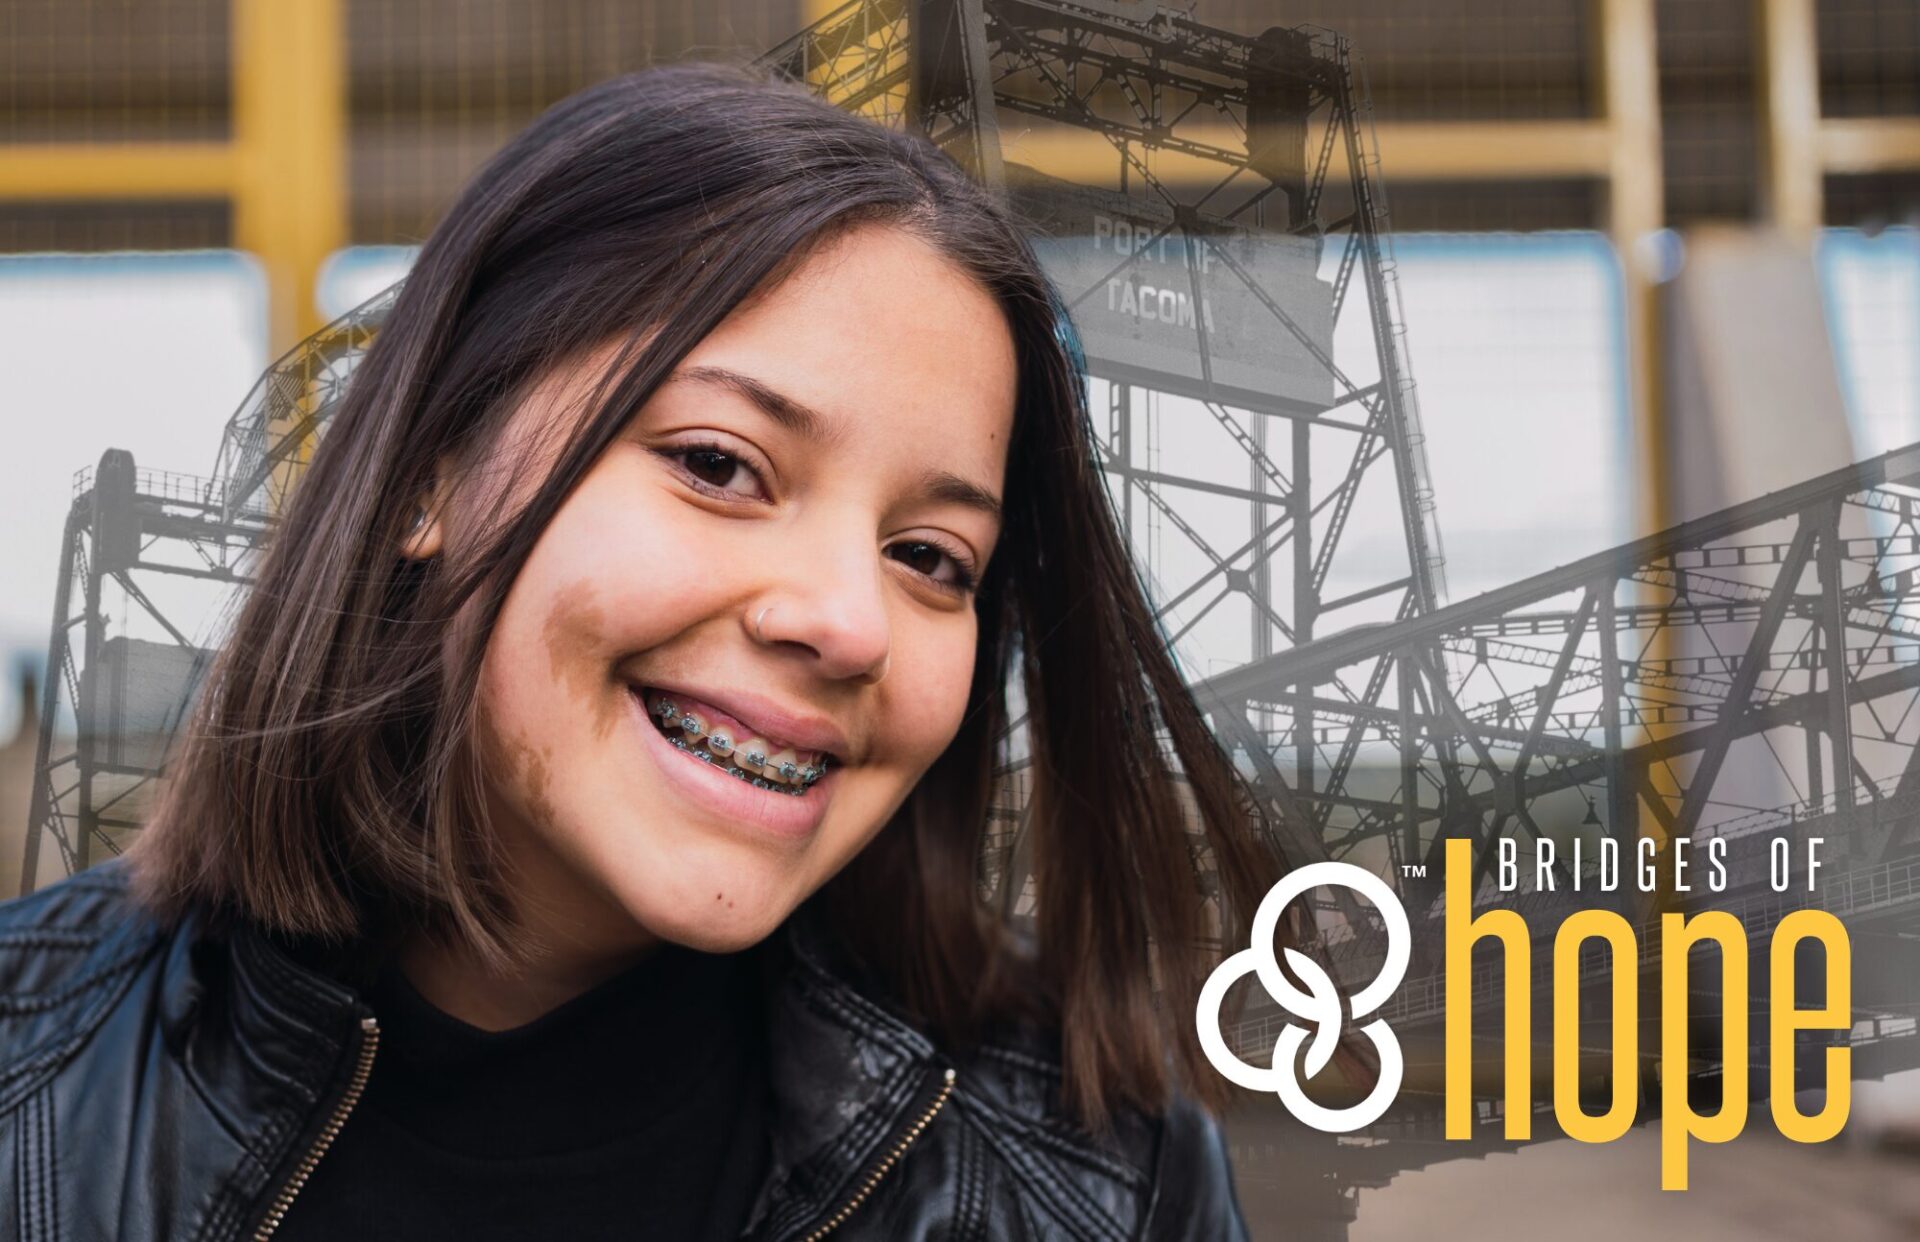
(580, 832)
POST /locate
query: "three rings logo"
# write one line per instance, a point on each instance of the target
(1319, 1005)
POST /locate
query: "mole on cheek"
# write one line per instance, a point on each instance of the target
(569, 633)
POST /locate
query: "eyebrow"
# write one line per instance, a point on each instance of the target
(810, 424)
(950, 488)
(802, 421)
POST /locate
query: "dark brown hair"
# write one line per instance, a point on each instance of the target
(328, 784)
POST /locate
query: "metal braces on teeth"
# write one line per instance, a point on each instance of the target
(719, 745)
(758, 782)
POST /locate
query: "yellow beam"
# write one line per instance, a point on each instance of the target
(1870, 145)
(1789, 98)
(289, 124)
(1636, 210)
(1494, 150)
(152, 170)
(1625, 145)
(1409, 151)
(286, 170)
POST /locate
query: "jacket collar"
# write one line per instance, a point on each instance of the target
(846, 1073)
(847, 1077)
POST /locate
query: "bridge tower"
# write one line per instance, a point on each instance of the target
(1211, 211)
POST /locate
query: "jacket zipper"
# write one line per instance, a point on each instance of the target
(369, 1044)
(893, 1158)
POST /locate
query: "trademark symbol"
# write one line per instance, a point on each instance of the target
(1414, 871)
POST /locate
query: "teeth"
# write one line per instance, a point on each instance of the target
(758, 782)
(757, 760)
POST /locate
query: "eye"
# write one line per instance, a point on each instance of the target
(944, 567)
(715, 471)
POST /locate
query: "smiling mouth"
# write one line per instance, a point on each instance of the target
(755, 760)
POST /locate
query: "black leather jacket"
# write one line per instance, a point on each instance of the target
(180, 1085)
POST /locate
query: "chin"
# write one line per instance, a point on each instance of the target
(730, 932)
(726, 938)
(738, 917)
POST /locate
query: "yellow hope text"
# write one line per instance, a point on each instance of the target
(1714, 931)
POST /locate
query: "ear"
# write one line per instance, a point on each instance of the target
(425, 533)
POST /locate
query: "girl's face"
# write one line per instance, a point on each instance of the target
(781, 544)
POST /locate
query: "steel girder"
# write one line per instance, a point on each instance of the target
(1788, 693)
(111, 697)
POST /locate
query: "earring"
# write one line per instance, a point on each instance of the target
(419, 518)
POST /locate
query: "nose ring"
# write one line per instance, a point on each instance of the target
(760, 623)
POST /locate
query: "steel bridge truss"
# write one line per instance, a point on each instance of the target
(112, 697)
(1747, 671)
(1235, 157)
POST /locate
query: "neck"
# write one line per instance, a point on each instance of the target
(456, 983)
(581, 937)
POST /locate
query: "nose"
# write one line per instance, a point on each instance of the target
(832, 607)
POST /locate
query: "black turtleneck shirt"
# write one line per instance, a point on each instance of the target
(635, 1110)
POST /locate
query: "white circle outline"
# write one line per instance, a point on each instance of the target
(1321, 1007)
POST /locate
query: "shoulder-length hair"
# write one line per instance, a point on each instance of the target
(328, 783)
